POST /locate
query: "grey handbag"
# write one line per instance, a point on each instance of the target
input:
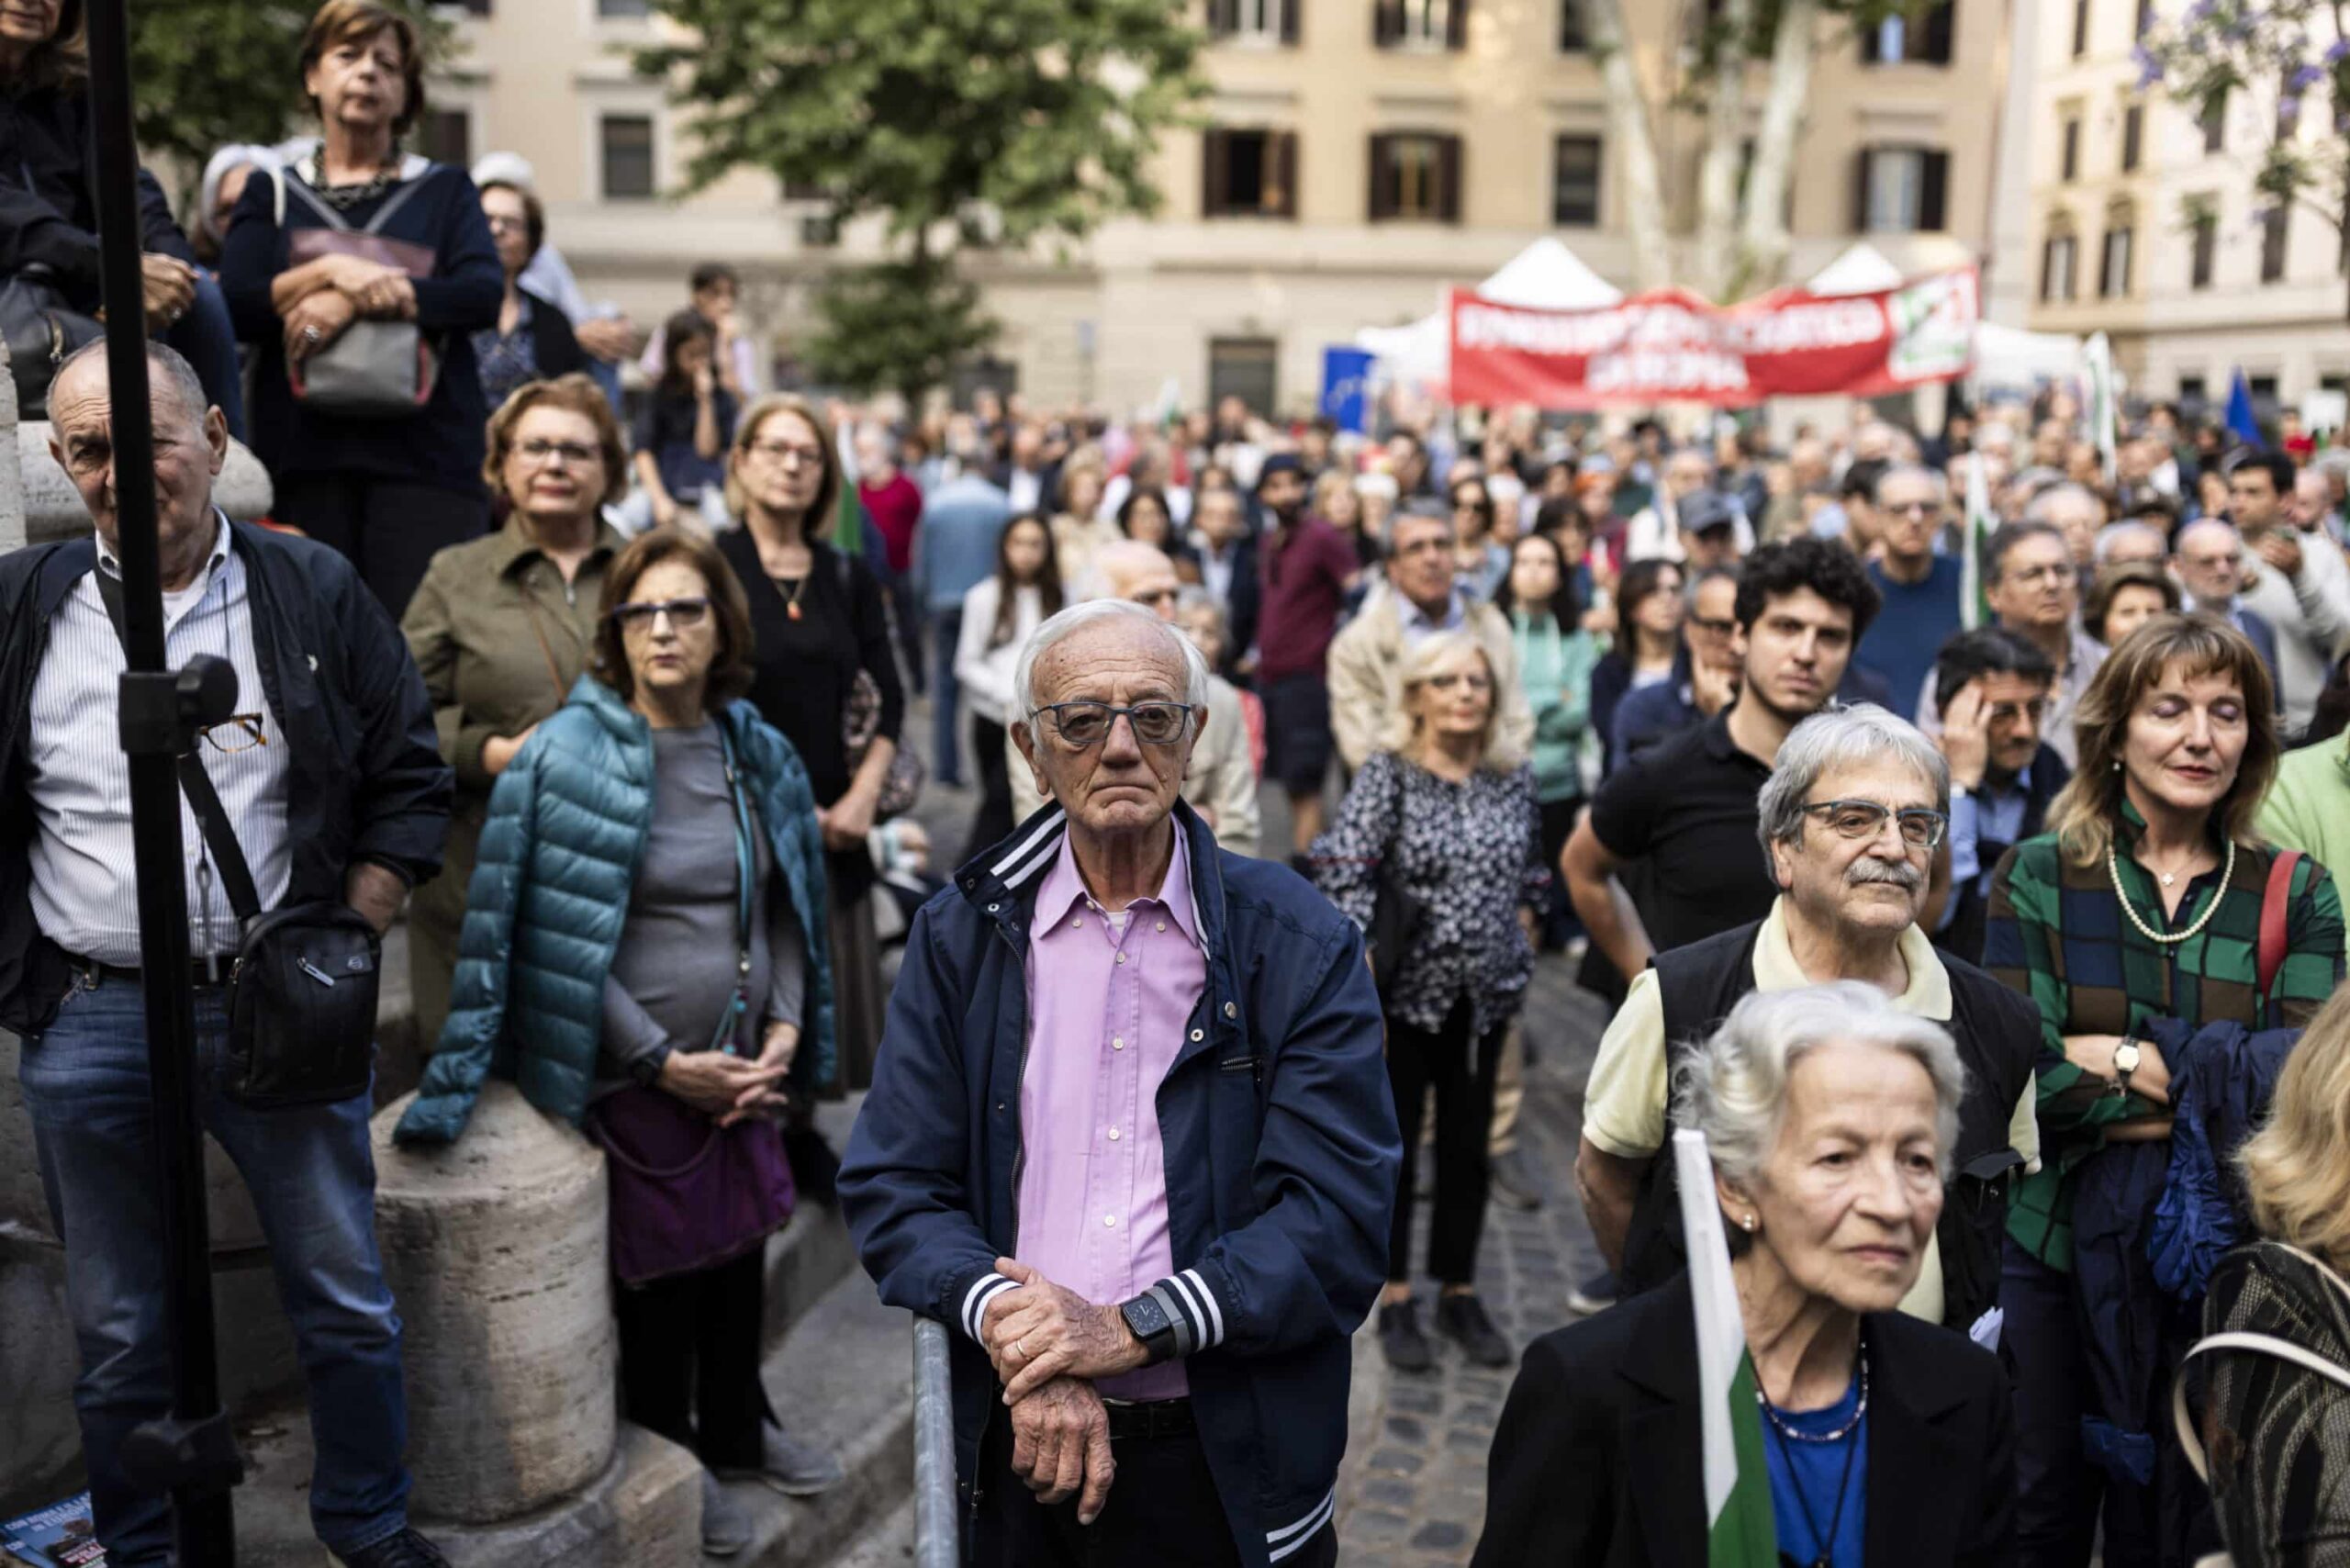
(372, 370)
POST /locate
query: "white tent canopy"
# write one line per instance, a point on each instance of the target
(1859, 270)
(2009, 356)
(1545, 276)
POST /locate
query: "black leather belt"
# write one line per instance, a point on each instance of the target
(1148, 1419)
(199, 973)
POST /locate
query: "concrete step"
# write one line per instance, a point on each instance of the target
(888, 1543)
(844, 1381)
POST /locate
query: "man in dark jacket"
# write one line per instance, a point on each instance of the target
(1130, 1137)
(1849, 821)
(1994, 691)
(330, 781)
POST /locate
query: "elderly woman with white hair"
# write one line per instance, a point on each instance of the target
(1437, 854)
(1831, 1114)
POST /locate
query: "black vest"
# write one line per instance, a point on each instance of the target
(1997, 1033)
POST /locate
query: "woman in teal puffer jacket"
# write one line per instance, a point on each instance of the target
(636, 955)
(1555, 658)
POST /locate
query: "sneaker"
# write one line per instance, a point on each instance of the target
(1400, 1338)
(1510, 1182)
(1461, 1319)
(725, 1526)
(1594, 1294)
(406, 1549)
(791, 1467)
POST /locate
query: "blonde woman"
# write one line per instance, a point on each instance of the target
(2274, 1429)
(1443, 824)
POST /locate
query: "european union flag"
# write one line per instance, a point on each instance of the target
(2241, 422)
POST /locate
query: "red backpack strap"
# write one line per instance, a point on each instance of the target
(2274, 902)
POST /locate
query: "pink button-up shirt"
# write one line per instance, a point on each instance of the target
(1110, 998)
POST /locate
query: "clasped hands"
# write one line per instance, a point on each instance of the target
(320, 298)
(1048, 1344)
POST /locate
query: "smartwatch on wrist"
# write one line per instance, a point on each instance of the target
(1149, 1320)
(2126, 1057)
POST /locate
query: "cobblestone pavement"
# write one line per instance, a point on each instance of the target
(1412, 1492)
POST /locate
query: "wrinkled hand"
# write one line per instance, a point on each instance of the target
(2281, 549)
(376, 891)
(847, 821)
(1061, 1447)
(712, 1080)
(777, 1046)
(1042, 1331)
(1966, 736)
(607, 338)
(1712, 688)
(167, 288)
(388, 296)
(316, 320)
(498, 752)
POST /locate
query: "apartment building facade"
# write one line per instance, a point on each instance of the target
(2146, 226)
(1358, 157)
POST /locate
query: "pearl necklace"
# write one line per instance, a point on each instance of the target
(2227, 875)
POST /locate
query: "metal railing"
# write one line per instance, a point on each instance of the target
(935, 1540)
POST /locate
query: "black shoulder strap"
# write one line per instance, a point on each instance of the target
(219, 837)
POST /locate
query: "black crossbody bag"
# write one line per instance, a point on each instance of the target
(304, 984)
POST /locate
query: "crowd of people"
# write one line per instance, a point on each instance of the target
(1978, 939)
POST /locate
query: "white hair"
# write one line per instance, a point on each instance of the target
(1079, 616)
(2113, 533)
(2042, 508)
(1732, 1087)
(1935, 482)
(1832, 738)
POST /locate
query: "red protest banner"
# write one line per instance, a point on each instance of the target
(1671, 346)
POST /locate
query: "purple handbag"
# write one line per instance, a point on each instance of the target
(686, 1193)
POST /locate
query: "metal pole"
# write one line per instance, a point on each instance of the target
(936, 1541)
(204, 1524)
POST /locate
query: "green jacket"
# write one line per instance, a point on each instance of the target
(2308, 808)
(1556, 671)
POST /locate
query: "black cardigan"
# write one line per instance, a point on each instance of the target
(1598, 1459)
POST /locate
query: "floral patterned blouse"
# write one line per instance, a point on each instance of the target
(1471, 854)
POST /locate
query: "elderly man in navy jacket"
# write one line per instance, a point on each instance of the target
(1130, 1138)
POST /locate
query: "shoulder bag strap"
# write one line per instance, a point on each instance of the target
(2275, 905)
(746, 871)
(219, 837)
(2256, 1344)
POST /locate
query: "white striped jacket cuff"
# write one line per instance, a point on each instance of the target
(985, 1289)
(1197, 1315)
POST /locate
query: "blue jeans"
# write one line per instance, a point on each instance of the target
(945, 694)
(207, 339)
(312, 1176)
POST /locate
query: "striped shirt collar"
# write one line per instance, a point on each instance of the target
(111, 564)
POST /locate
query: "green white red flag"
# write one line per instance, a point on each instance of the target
(1739, 1530)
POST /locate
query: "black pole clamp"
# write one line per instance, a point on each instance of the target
(169, 1455)
(164, 710)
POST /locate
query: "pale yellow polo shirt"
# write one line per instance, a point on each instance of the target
(1624, 1108)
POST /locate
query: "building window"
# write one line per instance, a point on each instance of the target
(1254, 21)
(2146, 18)
(1900, 39)
(623, 10)
(1415, 176)
(2113, 268)
(1420, 24)
(2214, 121)
(2058, 255)
(1573, 39)
(2068, 159)
(448, 136)
(1901, 190)
(2133, 135)
(2081, 27)
(2272, 243)
(1245, 368)
(2205, 246)
(628, 156)
(2191, 394)
(1248, 173)
(1574, 189)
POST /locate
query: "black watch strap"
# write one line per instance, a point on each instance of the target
(1153, 1321)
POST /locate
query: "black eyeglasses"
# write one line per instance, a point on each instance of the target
(1084, 725)
(1920, 828)
(1713, 628)
(685, 614)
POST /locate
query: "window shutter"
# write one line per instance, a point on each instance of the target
(1281, 150)
(1448, 179)
(1223, 18)
(1456, 26)
(1386, 22)
(1933, 192)
(1861, 190)
(1382, 179)
(1937, 30)
(1872, 46)
(1215, 173)
(1290, 8)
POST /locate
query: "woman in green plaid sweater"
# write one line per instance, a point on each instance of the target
(2144, 902)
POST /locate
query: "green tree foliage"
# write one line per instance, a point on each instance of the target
(205, 72)
(901, 325)
(1011, 122)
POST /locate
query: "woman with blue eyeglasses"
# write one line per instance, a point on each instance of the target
(636, 954)
(1437, 854)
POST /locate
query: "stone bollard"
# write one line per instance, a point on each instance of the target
(496, 1250)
